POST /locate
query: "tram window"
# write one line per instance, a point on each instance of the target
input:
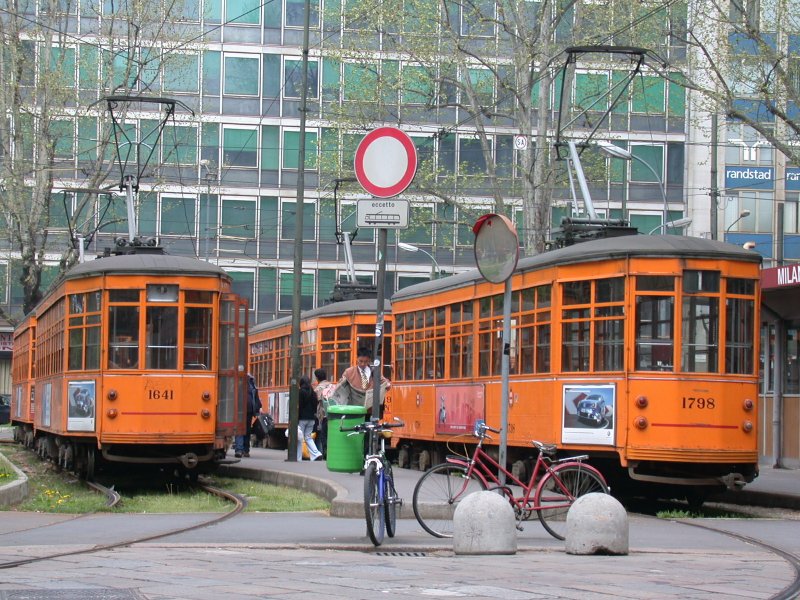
(162, 337)
(742, 287)
(700, 281)
(162, 293)
(739, 319)
(575, 354)
(655, 283)
(197, 338)
(123, 295)
(198, 297)
(700, 334)
(123, 337)
(576, 292)
(655, 321)
(610, 290)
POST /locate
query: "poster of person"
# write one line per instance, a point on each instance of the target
(589, 414)
(458, 407)
(47, 397)
(81, 406)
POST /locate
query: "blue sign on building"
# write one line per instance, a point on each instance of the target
(792, 179)
(751, 178)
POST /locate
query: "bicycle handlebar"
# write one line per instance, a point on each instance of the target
(371, 426)
(482, 428)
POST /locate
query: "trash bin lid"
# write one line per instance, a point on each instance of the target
(346, 409)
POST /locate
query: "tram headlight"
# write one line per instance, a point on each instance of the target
(206, 396)
(111, 413)
(205, 413)
(641, 401)
(640, 422)
(747, 426)
(111, 395)
(748, 404)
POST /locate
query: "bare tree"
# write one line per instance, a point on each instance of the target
(55, 134)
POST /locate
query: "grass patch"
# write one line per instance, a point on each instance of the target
(56, 492)
(706, 512)
(265, 497)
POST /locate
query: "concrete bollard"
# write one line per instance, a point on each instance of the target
(484, 523)
(597, 524)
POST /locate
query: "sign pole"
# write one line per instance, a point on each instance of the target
(505, 368)
(377, 367)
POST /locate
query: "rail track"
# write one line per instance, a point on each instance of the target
(238, 502)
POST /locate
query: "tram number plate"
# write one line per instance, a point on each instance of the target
(165, 394)
(702, 403)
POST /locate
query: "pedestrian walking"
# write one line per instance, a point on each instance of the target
(307, 415)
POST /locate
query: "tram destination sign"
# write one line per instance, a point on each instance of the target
(389, 214)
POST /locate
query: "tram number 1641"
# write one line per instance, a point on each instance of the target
(166, 394)
(692, 402)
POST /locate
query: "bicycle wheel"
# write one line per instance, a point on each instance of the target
(373, 505)
(437, 494)
(390, 501)
(559, 489)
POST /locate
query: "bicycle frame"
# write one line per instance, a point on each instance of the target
(484, 467)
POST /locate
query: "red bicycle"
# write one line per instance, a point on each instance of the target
(553, 487)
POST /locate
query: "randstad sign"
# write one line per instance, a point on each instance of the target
(752, 178)
(792, 179)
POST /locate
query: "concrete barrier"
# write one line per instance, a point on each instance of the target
(15, 491)
(597, 524)
(484, 523)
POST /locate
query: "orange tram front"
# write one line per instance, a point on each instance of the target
(134, 358)
(638, 350)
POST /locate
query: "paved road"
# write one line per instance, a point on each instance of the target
(302, 555)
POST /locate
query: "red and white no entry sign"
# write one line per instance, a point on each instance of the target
(386, 162)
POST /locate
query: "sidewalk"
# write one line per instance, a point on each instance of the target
(774, 488)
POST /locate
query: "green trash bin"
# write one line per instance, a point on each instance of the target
(345, 452)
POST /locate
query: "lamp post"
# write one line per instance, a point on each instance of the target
(617, 152)
(411, 248)
(677, 223)
(742, 215)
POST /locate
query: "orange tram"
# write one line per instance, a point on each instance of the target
(638, 350)
(133, 358)
(329, 338)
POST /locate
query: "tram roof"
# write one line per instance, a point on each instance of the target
(364, 306)
(145, 264)
(672, 246)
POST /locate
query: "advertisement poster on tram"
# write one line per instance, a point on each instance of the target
(81, 406)
(458, 407)
(589, 414)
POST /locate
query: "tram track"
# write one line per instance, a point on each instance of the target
(791, 591)
(239, 504)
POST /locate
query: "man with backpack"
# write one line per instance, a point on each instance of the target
(241, 447)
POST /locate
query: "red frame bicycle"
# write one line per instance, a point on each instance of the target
(553, 486)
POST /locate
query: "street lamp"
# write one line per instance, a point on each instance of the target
(412, 248)
(617, 152)
(742, 215)
(676, 224)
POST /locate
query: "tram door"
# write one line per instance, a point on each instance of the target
(232, 394)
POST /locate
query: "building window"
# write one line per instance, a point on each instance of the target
(291, 147)
(243, 12)
(241, 75)
(295, 11)
(182, 73)
(288, 221)
(287, 291)
(293, 78)
(240, 146)
(178, 216)
(238, 218)
(179, 145)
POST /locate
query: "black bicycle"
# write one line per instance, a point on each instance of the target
(380, 496)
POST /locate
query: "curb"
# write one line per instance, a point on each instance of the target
(747, 497)
(330, 490)
(16, 491)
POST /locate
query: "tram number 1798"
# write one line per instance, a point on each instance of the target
(692, 402)
(165, 394)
